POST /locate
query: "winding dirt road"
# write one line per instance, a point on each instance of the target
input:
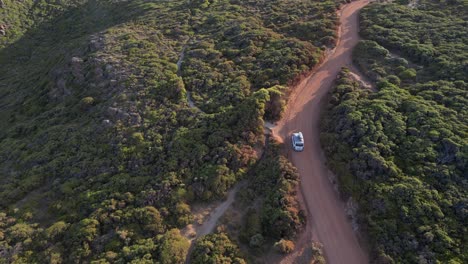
(327, 220)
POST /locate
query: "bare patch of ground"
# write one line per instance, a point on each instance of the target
(361, 80)
(413, 3)
(190, 101)
(206, 217)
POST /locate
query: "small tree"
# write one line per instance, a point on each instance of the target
(86, 103)
(174, 247)
(408, 74)
(284, 246)
(56, 230)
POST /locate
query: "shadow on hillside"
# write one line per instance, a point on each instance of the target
(62, 33)
(27, 62)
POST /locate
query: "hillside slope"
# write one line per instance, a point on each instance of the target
(118, 115)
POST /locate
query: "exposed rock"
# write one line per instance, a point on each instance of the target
(2, 4)
(55, 73)
(60, 90)
(113, 83)
(96, 43)
(3, 29)
(77, 69)
(76, 60)
(98, 72)
(361, 80)
(135, 119)
(102, 84)
(117, 114)
(106, 122)
(109, 68)
(61, 84)
(109, 72)
(93, 45)
(351, 210)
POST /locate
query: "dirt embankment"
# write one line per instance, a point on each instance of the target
(327, 220)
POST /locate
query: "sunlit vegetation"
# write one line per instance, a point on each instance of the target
(402, 154)
(402, 151)
(216, 248)
(271, 217)
(101, 154)
(284, 246)
(276, 179)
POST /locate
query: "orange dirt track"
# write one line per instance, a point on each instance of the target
(327, 219)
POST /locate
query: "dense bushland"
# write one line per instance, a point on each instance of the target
(402, 155)
(402, 151)
(216, 248)
(434, 35)
(269, 210)
(101, 151)
(276, 179)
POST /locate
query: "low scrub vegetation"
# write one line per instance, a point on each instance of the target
(117, 116)
(434, 34)
(401, 155)
(401, 152)
(271, 217)
(216, 248)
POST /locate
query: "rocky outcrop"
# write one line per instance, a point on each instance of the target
(76, 66)
(60, 89)
(3, 29)
(116, 114)
(89, 73)
(96, 43)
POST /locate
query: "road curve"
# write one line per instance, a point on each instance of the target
(328, 220)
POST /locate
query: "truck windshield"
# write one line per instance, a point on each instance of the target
(299, 144)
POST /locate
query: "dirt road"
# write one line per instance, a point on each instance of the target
(193, 232)
(327, 218)
(209, 225)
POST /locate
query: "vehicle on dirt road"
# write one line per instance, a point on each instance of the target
(297, 141)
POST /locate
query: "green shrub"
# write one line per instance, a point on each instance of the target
(216, 248)
(284, 246)
(174, 247)
(386, 150)
(407, 74)
(56, 230)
